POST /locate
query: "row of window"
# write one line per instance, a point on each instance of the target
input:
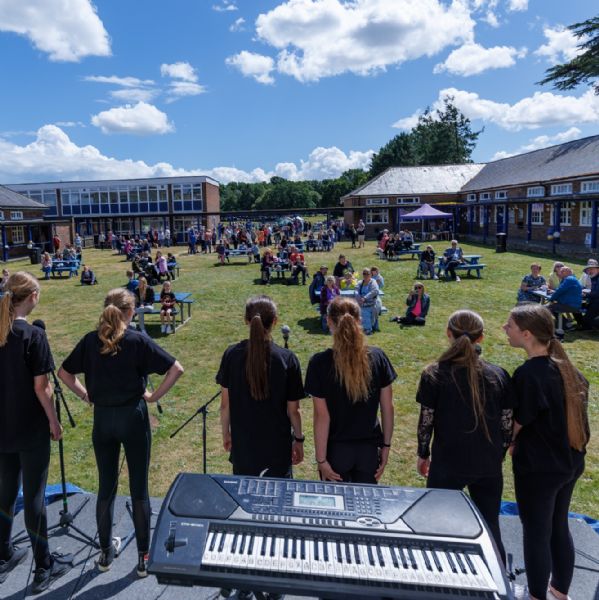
(539, 191)
(15, 215)
(385, 201)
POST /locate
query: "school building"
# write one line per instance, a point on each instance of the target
(545, 199)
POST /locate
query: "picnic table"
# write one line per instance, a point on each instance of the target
(471, 263)
(237, 252)
(413, 250)
(64, 266)
(183, 300)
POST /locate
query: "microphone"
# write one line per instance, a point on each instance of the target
(286, 330)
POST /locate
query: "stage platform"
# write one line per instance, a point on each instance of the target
(85, 582)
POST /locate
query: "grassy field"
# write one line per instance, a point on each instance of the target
(220, 293)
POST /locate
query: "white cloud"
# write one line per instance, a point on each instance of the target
(52, 156)
(139, 119)
(134, 94)
(253, 65)
(539, 110)
(323, 38)
(129, 82)
(561, 45)
(179, 89)
(67, 30)
(179, 70)
(518, 5)
(69, 124)
(473, 59)
(542, 141)
(225, 6)
(238, 25)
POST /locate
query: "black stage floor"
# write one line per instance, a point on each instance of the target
(85, 582)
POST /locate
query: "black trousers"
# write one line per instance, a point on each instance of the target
(411, 319)
(129, 426)
(30, 467)
(485, 492)
(543, 504)
(450, 268)
(356, 462)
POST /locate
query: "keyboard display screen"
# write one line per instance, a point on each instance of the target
(304, 500)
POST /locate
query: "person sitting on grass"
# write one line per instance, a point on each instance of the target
(376, 275)
(418, 303)
(168, 302)
(530, 283)
(144, 294)
(87, 276)
(427, 262)
(328, 293)
(554, 278)
(342, 265)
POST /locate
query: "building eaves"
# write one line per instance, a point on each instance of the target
(10, 199)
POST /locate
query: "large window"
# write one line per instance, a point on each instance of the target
(485, 196)
(410, 200)
(561, 189)
(187, 197)
(378, 201)
(18, 235)
(589, 187)
(377, 215)
(16, 215)
(565, 214)
(501, 195)
(471, 198)
(586, 214)
(537, 214)
(538, 191)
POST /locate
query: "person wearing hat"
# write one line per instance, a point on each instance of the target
(317, 284)
(591, 296)
(585, 278)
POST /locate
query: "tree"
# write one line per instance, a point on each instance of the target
(583, 68)
(440, 137)
(288, 194)
(331, 190)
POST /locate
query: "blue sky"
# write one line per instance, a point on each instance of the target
(243, 90)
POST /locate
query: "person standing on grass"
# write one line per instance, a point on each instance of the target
(28, 422)
(348, 383)
(116, 361)
(466, 408)
(551, 432)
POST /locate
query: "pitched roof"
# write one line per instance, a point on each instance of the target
(401, 181)
(426, 211)
(572, 159)
(10, 199)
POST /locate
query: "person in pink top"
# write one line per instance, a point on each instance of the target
(418, 303)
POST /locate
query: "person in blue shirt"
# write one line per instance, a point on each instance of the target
(452, 257)
(568, 296)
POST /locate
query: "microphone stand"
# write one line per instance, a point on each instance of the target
(203, 410)
(67, 518)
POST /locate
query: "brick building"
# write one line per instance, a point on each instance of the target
(539, 198)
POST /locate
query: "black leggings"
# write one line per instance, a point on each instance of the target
(543, 503)
(32, 467)
(485, 492)
(356, 462)
(129, 426)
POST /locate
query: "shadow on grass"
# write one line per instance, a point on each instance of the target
(311, 325)
(282, 280)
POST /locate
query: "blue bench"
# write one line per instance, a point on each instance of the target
(70, 267)
(471, 264)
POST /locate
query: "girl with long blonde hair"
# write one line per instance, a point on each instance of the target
(28, 421)
(551, 433)
(466, 410)
(348, 383)
(116, 361)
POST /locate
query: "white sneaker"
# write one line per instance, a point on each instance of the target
(520, 591)
(170, 329)
(435, 277)
(163, 328)
(457, 278)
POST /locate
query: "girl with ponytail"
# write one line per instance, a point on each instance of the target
(466, 409)
(551, 432)
(27, 423)
(116, 361)
(348, 383)
(261, 386)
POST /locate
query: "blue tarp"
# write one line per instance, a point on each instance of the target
(511, 509)
(52, 493)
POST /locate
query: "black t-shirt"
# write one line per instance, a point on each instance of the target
(23, 421)
(459, 446)
(260, 430)
(542, 445)
(350, 421)
(167, 298)
(340, 269)
(117, 380)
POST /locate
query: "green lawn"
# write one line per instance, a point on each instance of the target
(220, 292)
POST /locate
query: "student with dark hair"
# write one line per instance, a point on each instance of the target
(418, 304)
(116, 361)
(27, 423)
(466, 409)
(551, 432)
(261, 389)
(348, 383)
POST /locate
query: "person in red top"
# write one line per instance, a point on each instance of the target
(298, 265)
(418, 304)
